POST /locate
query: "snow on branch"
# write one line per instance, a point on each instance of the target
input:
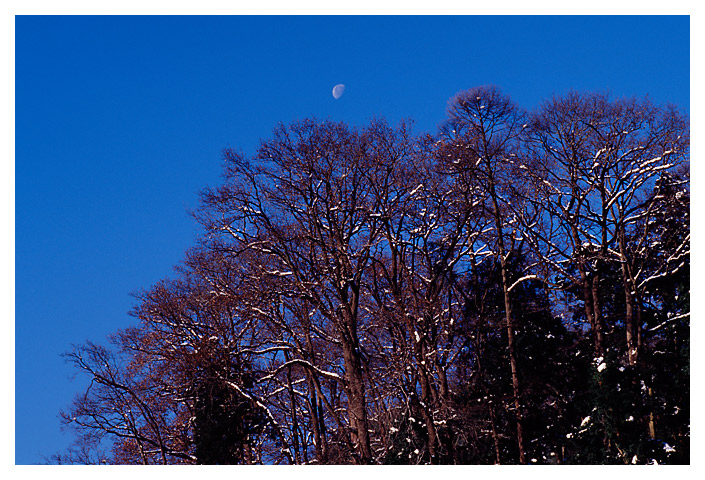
(673, 319)
(522, 279)
(298, 361)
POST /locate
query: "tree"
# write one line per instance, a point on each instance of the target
(514, 289)
(485, 126)
(309, 210)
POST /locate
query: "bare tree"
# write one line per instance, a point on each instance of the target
(309, 208)
(127, 406)
(368, 295)
(485, 127)
(599, 159)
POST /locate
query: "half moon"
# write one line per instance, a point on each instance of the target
(338, 91)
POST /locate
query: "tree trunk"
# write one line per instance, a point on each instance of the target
(495, 438)
(314, 419)
(357, 408)
(509, 325)
(589, 304)
(515, 372)
(294, 418)
(652, 423)
(597, 312)
(591, 296)
(629, 303)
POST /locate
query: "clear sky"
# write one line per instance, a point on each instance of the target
(120, 121)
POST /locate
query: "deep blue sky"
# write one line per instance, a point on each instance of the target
(120, 121)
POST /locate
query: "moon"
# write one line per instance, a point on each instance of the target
(338, 91)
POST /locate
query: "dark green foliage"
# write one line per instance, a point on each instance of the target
(408, 443)
(225, 422)
(483, 400)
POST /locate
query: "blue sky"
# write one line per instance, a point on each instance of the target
(120, 121)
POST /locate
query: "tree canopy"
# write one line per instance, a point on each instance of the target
(511, 289)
